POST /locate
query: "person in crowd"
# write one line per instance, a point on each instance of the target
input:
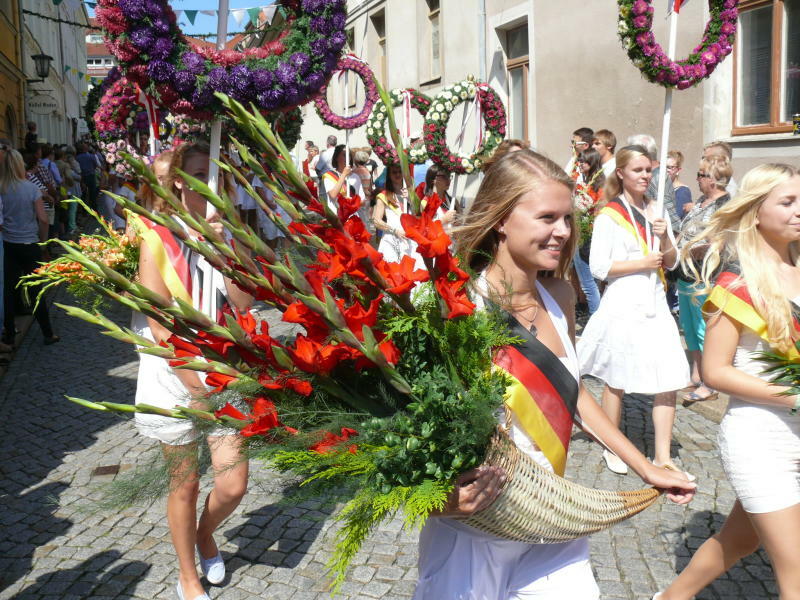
(158, 384)
(722, 149)
(89, 165)
(437, 181)
(40, 178)
(421, 170)
(751, 245)
(310, 161)
(24, 224)
(48, 157)
(605, 143)
(31, 136)
(75, 189)
(519, 227)
(683, 195)
(341, 180)
(390, 204)
(506, 146)
(632, 342)
(5, 146)
(649, 143)
(581, 140)
(269, 230)
(713, 176)
(588, 195)
(110, 209)
(360, 168)
(324, 162)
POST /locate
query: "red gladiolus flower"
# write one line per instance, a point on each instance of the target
(357, 230)
(447, 264)
(316, 327)
(330, 441)
(390, 351)
(218, 381)
(429, 234)
(402, 276)
(357, 316)
(264, 417)
(313, 357)
(347, 206)
(458, 303)
(230, 411)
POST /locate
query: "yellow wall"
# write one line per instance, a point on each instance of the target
(11, 76)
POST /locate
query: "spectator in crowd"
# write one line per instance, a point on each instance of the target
(31, 137)
(437, 181)
(581, 140)
(713, 175)
(25, 224)
(605, 142)
(324, 162)
(360, 168)
(506, 146)
(390, 205)
(89, 165)
(722, 150)
(648, 142)
(683, 195)
(340, 178)
(420, 170)
(588, 196)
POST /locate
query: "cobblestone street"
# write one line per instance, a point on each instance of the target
(52, 546)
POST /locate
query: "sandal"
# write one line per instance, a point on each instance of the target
(692, 397)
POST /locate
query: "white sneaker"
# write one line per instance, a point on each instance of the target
(179, 591)
(213, 568)
(614, 463)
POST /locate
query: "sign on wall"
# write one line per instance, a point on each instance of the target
(42, 104)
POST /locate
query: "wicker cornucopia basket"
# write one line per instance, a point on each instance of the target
(539, 507)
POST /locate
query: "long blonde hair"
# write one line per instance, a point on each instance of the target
(12, 169)
(625, 155)
(506, 181)
(150, 200)
(733, 238)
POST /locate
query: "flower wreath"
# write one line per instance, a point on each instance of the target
(112, 147)
(144, 36)
(635, 31)
(435, 130)
(288, 125)
(376, 126)
(362, 70)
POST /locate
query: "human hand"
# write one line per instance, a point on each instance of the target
(688, 207)
(660, 228)
(449, 216)
(652, 261)
(347, 170)
(475, 490)
(675, 485)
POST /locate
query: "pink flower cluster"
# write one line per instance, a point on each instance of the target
(635, 31)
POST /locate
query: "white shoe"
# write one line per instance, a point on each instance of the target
(179, 591)
(213, 568)
(615, 463)
(657, 596)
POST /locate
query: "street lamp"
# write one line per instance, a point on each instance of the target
(42, 63)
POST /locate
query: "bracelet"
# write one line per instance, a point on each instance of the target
(796, 407)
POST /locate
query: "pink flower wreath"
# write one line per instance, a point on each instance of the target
(349, 63)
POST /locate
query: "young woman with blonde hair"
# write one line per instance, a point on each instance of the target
(521, 225)
(751, 274)
(631, 342)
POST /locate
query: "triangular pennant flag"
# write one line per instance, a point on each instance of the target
(80, 74)
(254, 13)
(177, 13)
(57, 2)
(238, 15)
(191, 15)
(678, 4)
(269, 12)
(67, 68)
(210, 13)
(91, 5)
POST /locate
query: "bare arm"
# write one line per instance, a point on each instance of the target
(627, 267)
(41, 217)
(722, 338)
(378, 214)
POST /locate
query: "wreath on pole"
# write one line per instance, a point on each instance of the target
(364, 73)
(376, 126)
(490, 112)
(635, 32)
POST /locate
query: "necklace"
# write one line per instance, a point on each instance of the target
(516, 309)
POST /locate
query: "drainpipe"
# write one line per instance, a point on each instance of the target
(482, 39)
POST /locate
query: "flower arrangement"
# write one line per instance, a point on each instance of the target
(587, 200)
(635, 32)
(376, 126)
(113, 149)
(144, 36)
(364, 73)
(116, 251)
(288, 125)
(492, 114)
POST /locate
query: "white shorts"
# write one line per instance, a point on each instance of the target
(458, 562)
(760, 449)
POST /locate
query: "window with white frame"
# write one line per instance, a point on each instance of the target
(378, 34)
(430, 45)
(517, 63)
(767, 66)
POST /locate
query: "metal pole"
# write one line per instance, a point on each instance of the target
(216, 126)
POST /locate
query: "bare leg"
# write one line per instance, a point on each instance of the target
(663, 420)
(720, 552)
(780, 533)
(612, 404)
(230, 485)
(696, 358)
(182, 513)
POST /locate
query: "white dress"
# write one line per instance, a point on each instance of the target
(760, 445)
(392, 247)
(631, 342)
(459, 562)
(157, 384)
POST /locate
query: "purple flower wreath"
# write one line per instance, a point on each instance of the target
(435, 129)
(376, 127)
(635, 31)
(362, 70)
(145, 38)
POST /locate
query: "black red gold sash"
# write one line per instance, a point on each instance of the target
(620, 214)
(543, 394)
(171, 258)
(730, 296)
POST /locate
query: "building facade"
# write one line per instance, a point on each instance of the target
(64, 88)
(560, 66)
(12, 78)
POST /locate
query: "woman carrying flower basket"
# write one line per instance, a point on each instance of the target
(170, 269)
(521, 224)
(751, 275)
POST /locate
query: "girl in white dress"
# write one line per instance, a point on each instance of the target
(390, 205)
(158, 384)
(521, 223)
(632, 342)
(340, 180)
(752, 277)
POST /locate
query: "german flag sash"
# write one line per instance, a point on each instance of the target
(730, 296)
(619, 213)
(543, 394)
(172, 258)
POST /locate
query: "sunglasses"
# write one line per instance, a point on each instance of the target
(701, 175)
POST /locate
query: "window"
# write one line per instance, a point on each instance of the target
(434, 37)
(378, 35)
(767, 66)
(94, 38)
(517, 67)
